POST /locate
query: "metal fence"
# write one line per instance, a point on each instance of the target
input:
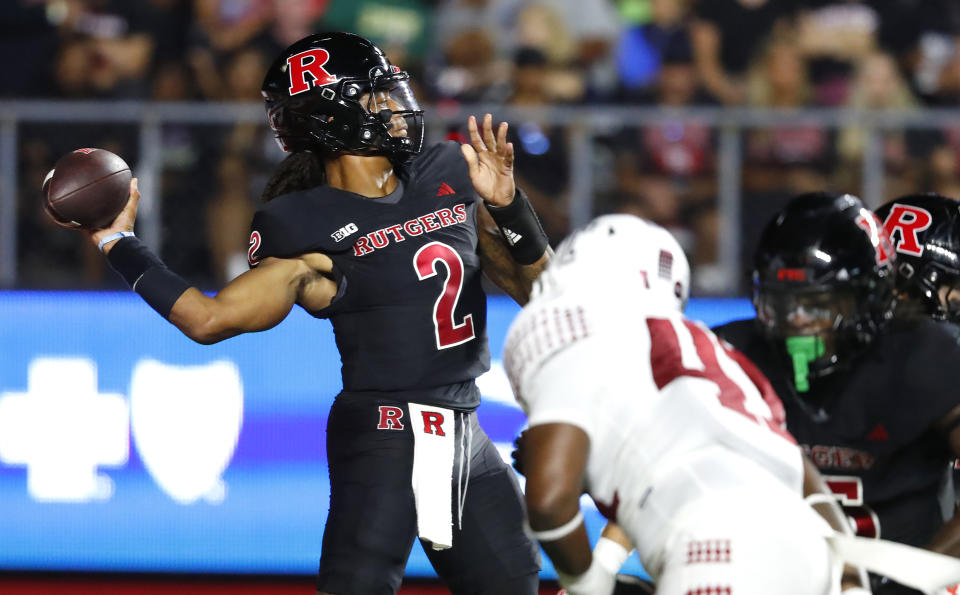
(583, 124)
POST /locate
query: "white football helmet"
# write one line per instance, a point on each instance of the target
(621, 254)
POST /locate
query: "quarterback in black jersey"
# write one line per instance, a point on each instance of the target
(388, 241)
(867, 394)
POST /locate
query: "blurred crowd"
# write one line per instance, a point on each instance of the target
(669, 53)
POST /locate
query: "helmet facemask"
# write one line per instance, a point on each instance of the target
(820, 329)
(936, 287)
(392, 121)
(809, 325)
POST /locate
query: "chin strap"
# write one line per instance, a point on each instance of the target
(802, 351)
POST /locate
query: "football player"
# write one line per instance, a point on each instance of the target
(866, 393)
(925, 231)
(676, 436)
(389, 242)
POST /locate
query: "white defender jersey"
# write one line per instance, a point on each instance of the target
(671, 412)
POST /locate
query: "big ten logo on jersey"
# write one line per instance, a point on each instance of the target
(346, 230)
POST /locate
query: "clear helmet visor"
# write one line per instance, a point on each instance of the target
(393, 101)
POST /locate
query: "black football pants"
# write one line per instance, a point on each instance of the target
(372, 521)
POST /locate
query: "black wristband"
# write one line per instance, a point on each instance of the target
(161, 288)
(131, 258)
(521, 228)
(146, 274)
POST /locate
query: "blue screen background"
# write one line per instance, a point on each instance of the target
(271, 515)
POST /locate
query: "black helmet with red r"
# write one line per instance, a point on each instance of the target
(337, 93)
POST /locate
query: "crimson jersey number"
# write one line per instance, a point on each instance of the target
(448, 332)
(849, 493)
(686, 349)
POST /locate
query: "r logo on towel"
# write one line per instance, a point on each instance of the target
(431, 423)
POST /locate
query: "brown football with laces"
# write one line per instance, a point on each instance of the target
(87, 188)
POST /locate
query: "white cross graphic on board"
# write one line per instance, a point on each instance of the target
(62, 429)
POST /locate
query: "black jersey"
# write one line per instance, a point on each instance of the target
(410, 312)
(870, 429)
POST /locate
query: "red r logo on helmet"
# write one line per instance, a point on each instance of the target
(909, 221)
(308, 63)
(879, 237)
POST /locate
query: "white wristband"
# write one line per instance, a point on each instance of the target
(114, 236)
(610, 555)
(596, 579)
(557, 532)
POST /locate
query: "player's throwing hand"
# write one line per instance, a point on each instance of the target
(490, 159)
(123, 222)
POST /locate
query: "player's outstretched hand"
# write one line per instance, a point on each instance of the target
(123, 222)
(490, 159)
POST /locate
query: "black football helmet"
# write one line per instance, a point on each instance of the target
(823, 282)
(337, 92)
(925, 231)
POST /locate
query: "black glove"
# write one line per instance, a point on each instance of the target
(517, 454)
(627, 584)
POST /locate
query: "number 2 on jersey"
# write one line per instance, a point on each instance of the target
(448, 332)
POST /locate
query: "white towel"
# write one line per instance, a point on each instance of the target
(433, 454)
(914, 567)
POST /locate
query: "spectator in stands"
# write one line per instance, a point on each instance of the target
(400, 27)
(784, 160)
(595, 28)
(665, 172)
(295, 19)
(29, 43)
(541, 28)
(225, 26)
(541, 165)
(943, 173)
(645, 43)
(468, 69)
(922, 36)
(879, 85)
(727, 34)
(108, 51)
(834, 36)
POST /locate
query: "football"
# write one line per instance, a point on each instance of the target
(87, 188)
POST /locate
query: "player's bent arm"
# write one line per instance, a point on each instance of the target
(500, 267)
(554, 458)
(255, 301)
